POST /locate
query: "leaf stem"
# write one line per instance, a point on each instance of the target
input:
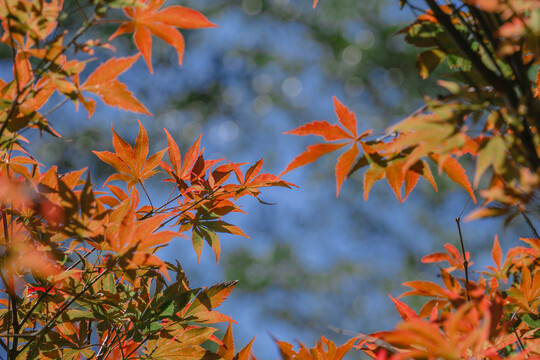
(465, 262)
(56, 107)
(147, 196)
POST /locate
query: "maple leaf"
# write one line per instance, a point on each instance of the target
(383, 163)
(324, 349)
(527, 295)
(149, 20)
(103, 82)
(252, 181)
(201, 309)
(404, 310)
(226, 349)
(453, 257)
(178, 170)
(131, 163)
(136, 240)
(346, 130)
(491, 153)
(455, 172)
(181, 344)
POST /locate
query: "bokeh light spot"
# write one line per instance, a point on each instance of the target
(263, 104)
(352, 55)
(292, 87)
(365, 39)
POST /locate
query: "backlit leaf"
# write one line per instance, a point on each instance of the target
(329, 132)
(344, 165)
(491, 153)
(312, 153)
(103, 82)
(455, 172)
(149, 20)
(404, 310)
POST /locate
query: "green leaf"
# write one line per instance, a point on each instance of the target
(197, 240)
(491, 153)
(533, 320)
(424, 34)
(428, 61)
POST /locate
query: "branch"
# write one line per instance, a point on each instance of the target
(42, 296)
(500, 84)
(477, 36)
(47, 66)
(463, 45)
(102, 348)
(14, 56)
(12, 353)
(41, 332)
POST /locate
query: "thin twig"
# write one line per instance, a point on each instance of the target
(478, 38)
(189, 207)
(531, 226)
(23, 321)
(56, 107)
(159, 209)
(47, 326)
(147, 196)
(16, 327)
(109, 347)
(518, 339)
(102, 348)
(16, 75)
(515, 317)
(465, 262)
(11, 293)
(40, 72)
(81, 11)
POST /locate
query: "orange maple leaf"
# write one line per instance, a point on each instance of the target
(131, 163)
(404, 310)
(103, 82)
(346, 130)
(324, 349)
(178, 170)
(252, 181)
(455, 172)
(136, 241)
(226, 349)
(148, 20)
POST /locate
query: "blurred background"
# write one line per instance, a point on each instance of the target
(314, 264)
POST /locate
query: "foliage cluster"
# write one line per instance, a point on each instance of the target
(489, 113)
(79, 266)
